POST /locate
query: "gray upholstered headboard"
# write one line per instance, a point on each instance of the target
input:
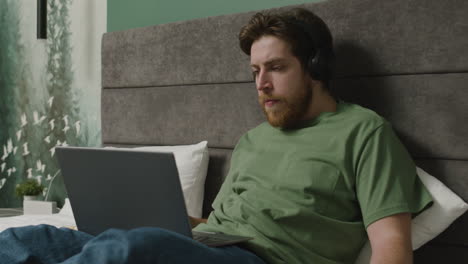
(184, 82)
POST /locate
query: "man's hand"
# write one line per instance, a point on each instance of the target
(390, 239)
(195, 221)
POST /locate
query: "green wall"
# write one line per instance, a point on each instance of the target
(124, 14)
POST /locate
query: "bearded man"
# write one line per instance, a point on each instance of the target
(310, 185)
(322, 175)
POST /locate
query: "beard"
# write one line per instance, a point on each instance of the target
(287, 111)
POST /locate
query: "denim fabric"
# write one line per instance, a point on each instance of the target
(46, 244)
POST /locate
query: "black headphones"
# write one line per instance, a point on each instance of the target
(319, 62)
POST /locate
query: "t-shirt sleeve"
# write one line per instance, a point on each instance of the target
(386, 179)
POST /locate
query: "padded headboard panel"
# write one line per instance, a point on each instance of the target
(184, 82)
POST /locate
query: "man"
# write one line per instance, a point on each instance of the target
(309, 185)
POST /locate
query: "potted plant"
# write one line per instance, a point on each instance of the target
(29, 189)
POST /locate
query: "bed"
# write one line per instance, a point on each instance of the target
(186, 82)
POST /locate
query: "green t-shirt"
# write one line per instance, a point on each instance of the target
(306, 195)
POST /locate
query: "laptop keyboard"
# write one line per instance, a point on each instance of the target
(217, 239)
(207, 239)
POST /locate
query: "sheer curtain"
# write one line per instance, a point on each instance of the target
(49, 90)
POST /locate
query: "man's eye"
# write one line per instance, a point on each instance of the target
(277, 68)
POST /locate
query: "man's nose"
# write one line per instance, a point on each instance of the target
(263, 82)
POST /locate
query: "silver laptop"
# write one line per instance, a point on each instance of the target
(125, 189)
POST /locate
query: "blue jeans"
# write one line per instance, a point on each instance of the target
(46, 244)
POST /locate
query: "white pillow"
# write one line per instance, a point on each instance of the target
(192, 164)
(66, 209)
(446, 208)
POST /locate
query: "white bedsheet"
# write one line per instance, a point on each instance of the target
(58, 220)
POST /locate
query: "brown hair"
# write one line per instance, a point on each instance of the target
(307, 34)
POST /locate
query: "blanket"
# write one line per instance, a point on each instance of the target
(43, 244)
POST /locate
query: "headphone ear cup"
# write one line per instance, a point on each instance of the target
(314, 66)
(319, 67)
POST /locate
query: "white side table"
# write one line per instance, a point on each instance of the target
(5, 212)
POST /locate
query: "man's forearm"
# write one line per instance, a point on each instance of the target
(196, 221)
